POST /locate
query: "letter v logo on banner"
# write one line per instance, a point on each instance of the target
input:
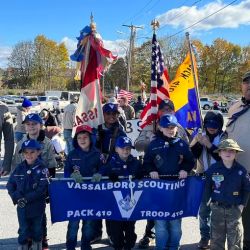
(126, 205)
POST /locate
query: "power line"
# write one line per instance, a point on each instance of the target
(178, 15)
(138, 12)
(192, 25)
(182, 13)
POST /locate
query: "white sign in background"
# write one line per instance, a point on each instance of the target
(133, 130)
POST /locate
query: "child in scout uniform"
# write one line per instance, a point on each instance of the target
(168, 155)
(122, 163)
(27, 188)
(202, 147)
(81, 162)
(227, 190)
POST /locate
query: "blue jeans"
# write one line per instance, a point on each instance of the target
(67, 134)
(88, 234)
(205, 220)
(29, 227)
(167, 234)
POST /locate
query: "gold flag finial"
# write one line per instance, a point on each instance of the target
(92, 23)
(155, 25)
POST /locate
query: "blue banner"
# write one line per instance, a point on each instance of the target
(125, 200)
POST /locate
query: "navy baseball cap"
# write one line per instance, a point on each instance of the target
(123, 141)
(211, 124)
(33, 118)
(110, 107)
(30, 144)
(166, 102)
(168, 120)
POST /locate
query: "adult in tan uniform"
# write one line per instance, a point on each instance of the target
(238, 128)
(6, 130)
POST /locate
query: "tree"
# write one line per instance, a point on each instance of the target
(50, 62)
(21, 60)
(219, 65)
(141, 68)
(116, 75)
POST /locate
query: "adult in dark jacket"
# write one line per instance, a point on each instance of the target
(109, 131)
(48, 118)
(138, 106)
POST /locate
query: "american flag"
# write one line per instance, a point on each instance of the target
(159, 85)
(124, 93)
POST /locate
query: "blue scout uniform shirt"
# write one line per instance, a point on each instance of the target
(30, 182)
(229, 186)
(87, 163)
(122, 168)
(168, 156)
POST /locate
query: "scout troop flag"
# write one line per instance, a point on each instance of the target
(92, 58)
(183, 94)
(159, 85)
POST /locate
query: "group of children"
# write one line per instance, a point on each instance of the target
(226, 192)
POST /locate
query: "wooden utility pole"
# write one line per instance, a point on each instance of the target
(130, 51)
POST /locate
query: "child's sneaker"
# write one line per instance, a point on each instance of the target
(204, 243)
(146, 241)
(45, 245)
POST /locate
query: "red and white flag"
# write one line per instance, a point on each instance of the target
(93, 58)
(124, 93)
(159, 85)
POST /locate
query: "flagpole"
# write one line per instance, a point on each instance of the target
(194, 77)
(155, 25)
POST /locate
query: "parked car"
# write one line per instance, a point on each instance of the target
(206, 103)
(48, 102)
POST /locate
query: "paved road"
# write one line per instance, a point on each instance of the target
(57, 231)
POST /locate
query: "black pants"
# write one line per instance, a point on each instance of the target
(122, 234)
(52, 174)
(149, 227)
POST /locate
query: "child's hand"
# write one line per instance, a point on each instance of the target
(183, 174)
(241, 207)
(154, 175)
(96, 177)
(206, 142)
(76, 176)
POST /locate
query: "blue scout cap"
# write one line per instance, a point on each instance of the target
(123, 141)
(30, 144)
(34, 118)
(26, 103)
(168, 120)
(211, 124)
(110, 107)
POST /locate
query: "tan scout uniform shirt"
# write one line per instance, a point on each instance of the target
(240, 132)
